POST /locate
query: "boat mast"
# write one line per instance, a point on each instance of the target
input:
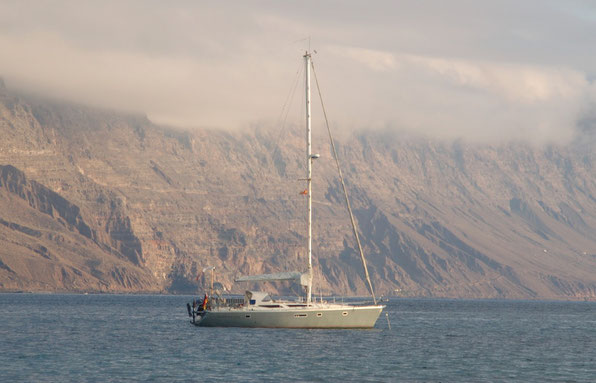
(309, 159)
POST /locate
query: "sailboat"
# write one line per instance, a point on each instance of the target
(259, 309)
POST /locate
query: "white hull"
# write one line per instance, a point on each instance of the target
(314, 316)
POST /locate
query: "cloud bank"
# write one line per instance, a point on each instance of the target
(477, 70)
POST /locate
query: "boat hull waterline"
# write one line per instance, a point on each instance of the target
(324, 316)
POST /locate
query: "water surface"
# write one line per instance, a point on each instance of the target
(111, 338)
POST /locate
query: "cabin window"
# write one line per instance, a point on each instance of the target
(248, 315)
(300, 315)
(345, 313)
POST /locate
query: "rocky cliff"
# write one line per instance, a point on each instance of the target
(120, 204)
(47, 245)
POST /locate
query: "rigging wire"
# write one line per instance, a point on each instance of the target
(282, 122)
(285, 110)
(341, 178)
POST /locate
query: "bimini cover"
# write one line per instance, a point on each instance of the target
(302, 278)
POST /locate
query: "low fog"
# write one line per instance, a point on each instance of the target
(483, 71)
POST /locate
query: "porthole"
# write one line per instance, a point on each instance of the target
(345, 313)
(248, 316)
(319, 314)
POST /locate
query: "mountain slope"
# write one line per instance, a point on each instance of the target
(437, 219)
(48, 246)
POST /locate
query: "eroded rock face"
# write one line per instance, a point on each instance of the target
(44, 200)
(132, 206)
(51, 246)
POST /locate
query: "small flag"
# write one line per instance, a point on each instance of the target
(305, 192)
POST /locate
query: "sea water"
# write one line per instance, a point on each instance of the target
(114, 338)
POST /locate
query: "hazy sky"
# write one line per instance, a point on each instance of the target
(482, 70)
